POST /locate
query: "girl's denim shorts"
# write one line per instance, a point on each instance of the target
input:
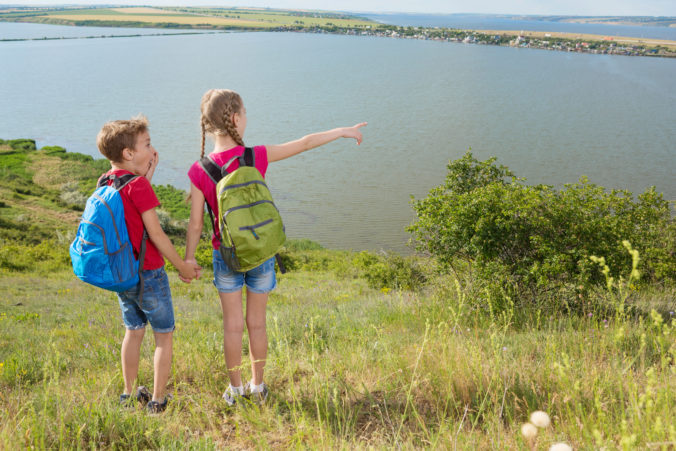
(261, 279)
(156, 305)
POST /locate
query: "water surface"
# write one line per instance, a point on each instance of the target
(549, 116)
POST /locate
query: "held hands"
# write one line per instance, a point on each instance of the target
(189, 270)
(353, 132)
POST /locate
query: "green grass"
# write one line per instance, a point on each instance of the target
(354, 361)
(349, 366)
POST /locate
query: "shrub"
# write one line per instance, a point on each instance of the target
(173, 201)
(72, 196)
(47, 256)
(390, 271)
(21, 144)
(540, 236)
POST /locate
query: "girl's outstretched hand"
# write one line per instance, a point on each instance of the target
(353, 132)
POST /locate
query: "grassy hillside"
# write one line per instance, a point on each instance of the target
(366, 350)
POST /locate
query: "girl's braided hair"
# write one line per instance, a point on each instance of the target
(218, 106)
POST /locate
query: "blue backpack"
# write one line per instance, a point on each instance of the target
(102, 254)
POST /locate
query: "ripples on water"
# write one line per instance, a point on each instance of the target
(549, 116)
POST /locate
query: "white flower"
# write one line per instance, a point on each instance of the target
(529, 431)
(540, 419)
(561, 447)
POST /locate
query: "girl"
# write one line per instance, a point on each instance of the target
(224, 117)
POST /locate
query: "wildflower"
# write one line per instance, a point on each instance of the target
(540, 419)
(528, 431)
(504, 348)
(385, 290)
(560, 447)
(590, 314)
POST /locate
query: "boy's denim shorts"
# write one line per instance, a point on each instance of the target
(261, 279)
(156, 305)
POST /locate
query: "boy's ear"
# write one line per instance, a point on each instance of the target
(127, 154)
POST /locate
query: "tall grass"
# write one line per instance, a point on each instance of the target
(349, 366)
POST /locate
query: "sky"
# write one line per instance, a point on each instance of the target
(533, 7)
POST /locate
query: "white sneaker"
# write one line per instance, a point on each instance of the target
(257, 397)
(231, 395)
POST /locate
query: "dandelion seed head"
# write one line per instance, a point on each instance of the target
(540, 419)
(560, 447)
(529, 431)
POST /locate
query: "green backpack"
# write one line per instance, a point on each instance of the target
(249, 222)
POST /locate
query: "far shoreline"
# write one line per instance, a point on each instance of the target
(183, 19)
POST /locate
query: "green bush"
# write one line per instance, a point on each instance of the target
(390, 271)
(48, 255)
(173, 201)
(21, 144)
(539, 236)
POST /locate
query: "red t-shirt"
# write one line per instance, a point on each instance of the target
(137, 197)
(203, 182)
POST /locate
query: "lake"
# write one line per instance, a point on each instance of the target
(549, 116)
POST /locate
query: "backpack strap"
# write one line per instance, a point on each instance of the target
(119, 182)
(248, 157)
(282, 268)
(211, 168)
(141, 261)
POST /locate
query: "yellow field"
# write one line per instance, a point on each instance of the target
(590, 37)
(243, 18)
(180, 19)
(142, 10)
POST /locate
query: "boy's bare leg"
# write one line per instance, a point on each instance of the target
(130, 354)
(256, 304)
(162, 363)
(233, 328)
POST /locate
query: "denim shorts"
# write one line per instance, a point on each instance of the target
(156, 305)
(261, 279)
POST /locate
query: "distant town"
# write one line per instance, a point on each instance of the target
(609, 45)
(266, 19)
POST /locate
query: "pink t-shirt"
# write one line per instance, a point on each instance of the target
(203, 182)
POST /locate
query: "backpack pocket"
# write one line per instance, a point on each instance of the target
(123, 265)
(251, 233)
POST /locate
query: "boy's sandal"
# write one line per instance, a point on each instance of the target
(143, 395)
(124, 399)
(156, 406)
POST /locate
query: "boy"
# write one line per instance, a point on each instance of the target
(126, 144)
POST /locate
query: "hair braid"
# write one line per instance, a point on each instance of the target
(230, 125)
(203, 138)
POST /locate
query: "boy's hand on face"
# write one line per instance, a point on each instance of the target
(353, 132)
(154, 161)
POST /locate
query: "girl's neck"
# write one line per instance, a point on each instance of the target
(223, 142)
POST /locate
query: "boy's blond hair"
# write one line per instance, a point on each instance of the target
(115, 136)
